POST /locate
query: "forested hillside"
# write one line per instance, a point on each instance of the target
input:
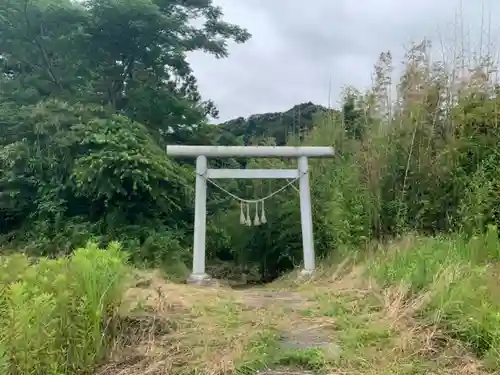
(297, 121)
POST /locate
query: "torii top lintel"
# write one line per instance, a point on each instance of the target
(250, 151)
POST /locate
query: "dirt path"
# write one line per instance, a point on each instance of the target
(298, 333)
(211, 328)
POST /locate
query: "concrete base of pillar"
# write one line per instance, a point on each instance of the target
(306, 274)
(200, 279)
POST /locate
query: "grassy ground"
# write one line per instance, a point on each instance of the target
(419, 306)
(416, 306)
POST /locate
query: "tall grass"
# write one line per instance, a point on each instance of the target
(458, 278)
(56, 316)
(423, 259)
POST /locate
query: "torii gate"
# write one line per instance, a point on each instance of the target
(201, 153)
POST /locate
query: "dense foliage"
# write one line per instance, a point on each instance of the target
(421, 161)
(91, 92)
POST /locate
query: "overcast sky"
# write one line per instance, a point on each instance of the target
(298, 47)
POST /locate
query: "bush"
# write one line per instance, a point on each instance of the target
(56, 316)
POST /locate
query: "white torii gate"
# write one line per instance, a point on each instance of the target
(203, 173)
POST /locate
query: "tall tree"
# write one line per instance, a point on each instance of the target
(128, 55)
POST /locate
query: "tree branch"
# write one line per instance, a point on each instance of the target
(45, 57)
(118, 84)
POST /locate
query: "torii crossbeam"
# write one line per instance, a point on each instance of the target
(201, 153)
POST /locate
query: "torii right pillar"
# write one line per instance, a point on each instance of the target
(306, 217)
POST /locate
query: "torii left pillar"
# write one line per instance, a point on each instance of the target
(200, 222)
(199, 275)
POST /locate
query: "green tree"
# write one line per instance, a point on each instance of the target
(128, 55)
(90, 93)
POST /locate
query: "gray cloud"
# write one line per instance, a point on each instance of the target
(299, 47)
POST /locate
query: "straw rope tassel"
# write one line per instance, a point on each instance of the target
(243, 221)
(249, 220)
(256, 220)
(245, 217)
(263, 219)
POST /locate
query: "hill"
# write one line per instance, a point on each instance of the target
(279, 126)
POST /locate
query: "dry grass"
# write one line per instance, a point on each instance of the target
(168, 328)
(381, 330)
(179, 329)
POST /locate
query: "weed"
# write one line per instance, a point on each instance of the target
(56, 316)
(307, 359)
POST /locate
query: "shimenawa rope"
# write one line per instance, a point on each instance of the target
(245, 218)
